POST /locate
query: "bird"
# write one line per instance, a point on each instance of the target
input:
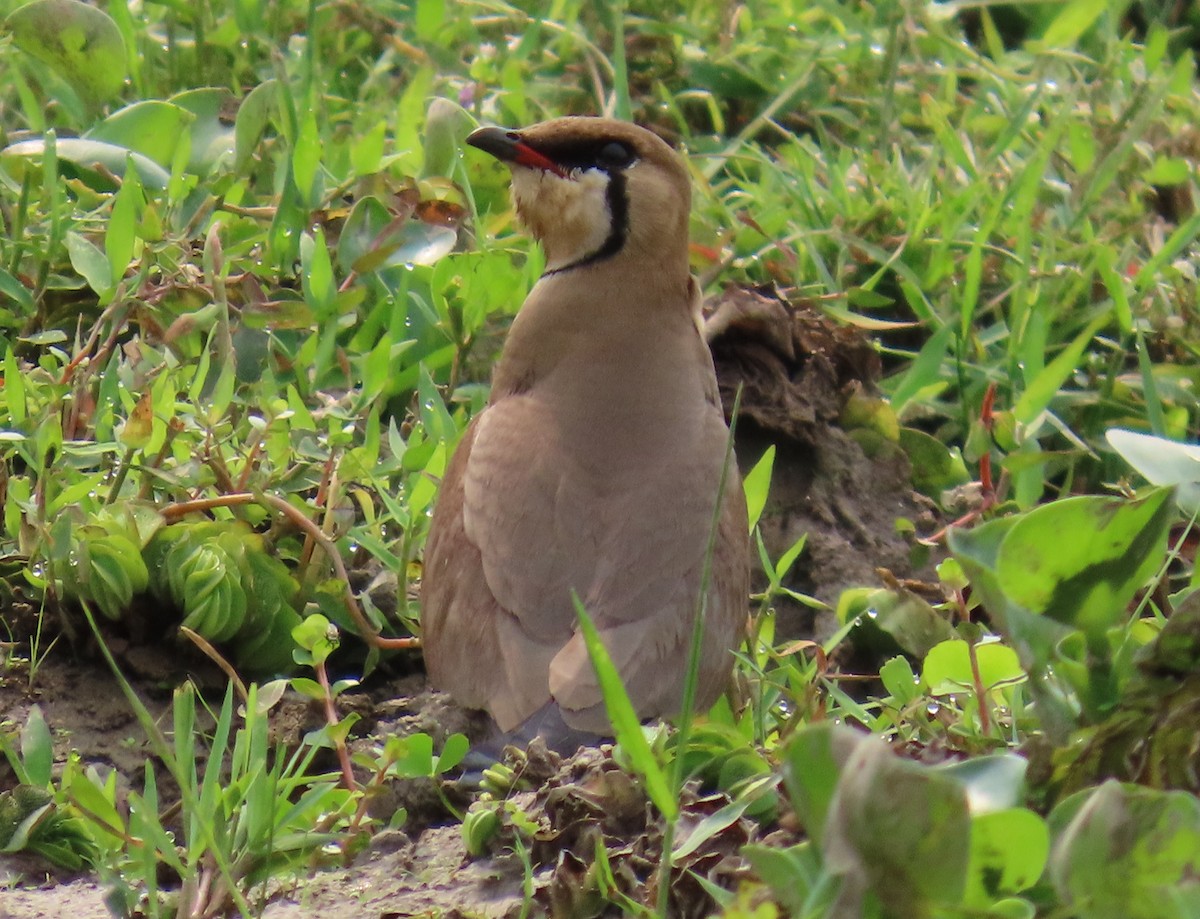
(595, 469)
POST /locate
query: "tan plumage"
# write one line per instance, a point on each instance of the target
(595, 467)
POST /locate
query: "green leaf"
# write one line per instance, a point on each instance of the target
(12, 287)
(152, 128)
(899, 680)
(253, 115)
(91, 264)
(453, 751)
(320, 292)
(1009, 849)
(898, 619)
(306, 158)
(1080, 560)
(414, 756)
(792, 873)
(1168, 170)
(977, 551)
(1126, 850)
(710, 825)
(37, 749)
(429, 19)
(867, 299)
(99, 802)
(898, 829)
(14, 390)
(212, 138)
(446, 125)
(79, 42)
(924, 370)
(1074, 19)
(1162, 462)
(85, 156)
(121, 233)
(366, 153)
(1046, 384)
(812, 762)
(935, 466)
(374, 239)
(757, 484)
(947, 668)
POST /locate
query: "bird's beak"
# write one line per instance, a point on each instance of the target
(508, 147)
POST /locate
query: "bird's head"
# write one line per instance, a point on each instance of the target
(595, 190)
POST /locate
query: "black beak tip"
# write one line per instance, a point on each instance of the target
(499, 142)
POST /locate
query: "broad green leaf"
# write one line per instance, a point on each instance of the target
(87, 157)
(253, 115)
(25, 810)
(1008, 854)
(899, 680)
(212, 138)
(415, 756)
(78, 41)
(99, 801)
(1126, 849)
(898, 829)
(1168, 170)
(429, 19)
(898, 619)
(1080, 560)
(935, 466)
(446, 125)
(1162, 462)
(152, 128)
(366, 153)
(948, 670)
(978, 552)
(424, 488)
(453, 751)
(91, 264)
(320, 291)
(363, 243)
(37, 749)
(812, 763)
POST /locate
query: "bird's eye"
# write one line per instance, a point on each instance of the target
(614, 155)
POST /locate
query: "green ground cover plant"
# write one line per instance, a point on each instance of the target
(250, 288)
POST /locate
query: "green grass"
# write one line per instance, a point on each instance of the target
(242, 253)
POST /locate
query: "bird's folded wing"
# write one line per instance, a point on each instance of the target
(474, 648)
(629, 542)
(652, 653)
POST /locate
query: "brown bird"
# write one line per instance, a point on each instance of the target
(595, 467)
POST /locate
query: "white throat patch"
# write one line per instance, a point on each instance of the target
(569, 217)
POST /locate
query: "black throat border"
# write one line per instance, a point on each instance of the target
(618, 209)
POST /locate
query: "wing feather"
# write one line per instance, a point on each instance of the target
(523, 519)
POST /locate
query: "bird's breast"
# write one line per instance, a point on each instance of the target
(619, 366)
